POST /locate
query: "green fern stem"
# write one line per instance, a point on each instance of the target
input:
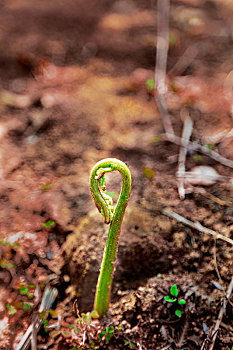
(114, 218)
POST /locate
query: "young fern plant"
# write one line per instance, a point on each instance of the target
(113, 217)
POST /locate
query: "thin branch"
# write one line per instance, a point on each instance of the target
(160, 89)
(193, 146)
(49, 296)
(196, 226)
(187, 132)
(220, 315)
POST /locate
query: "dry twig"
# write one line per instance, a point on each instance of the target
(160, 89)
(29, 337)
(187, 132)
(196, 226)
(220, 315)
(163, 7)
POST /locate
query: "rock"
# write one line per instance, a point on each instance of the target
(202, 175)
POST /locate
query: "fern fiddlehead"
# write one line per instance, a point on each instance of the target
(114, 218)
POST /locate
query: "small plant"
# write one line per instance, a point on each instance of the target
(130, 344)
(113, 217)
(46, 187)
(48, 225)
(108, 333)
(197, 156)
(173, 298)
(27, 289)
(13, 307)
(150, 86)
(5, 258)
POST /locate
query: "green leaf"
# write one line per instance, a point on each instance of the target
(23, 291)
(169, 300)
(26, 307)
(178, 313)
(46, 187)
(197, 156)
(150, 85)
(174, 290)
(149, 173)
(94, 314)
(155, 139)
(86, 318)
(77, 330)
(48, 224)
(4, 264)
(53, 313)
(11, 310)
(182, 302)
(42, 315)
(209, 146)
(71, 326)
(108, 337)
(31, 286)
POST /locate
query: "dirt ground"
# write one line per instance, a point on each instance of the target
(73, 90)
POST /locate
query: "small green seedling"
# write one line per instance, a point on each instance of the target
(104, 204)
(149, 173)
(150, 86)
(197, 156)
(173, 298)
(107, 333)
(210, 146)
(5, 262)
(48, 225)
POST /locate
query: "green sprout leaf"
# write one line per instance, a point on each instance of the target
(94, 314)
(155, 139)
(209, 146)
(48, 224)
(86, 318)
(31, 286)
(23, 291)
(174, 290)
(182, 302)
(46, 187)
(43, 315)
(149, 173)
(197, 156)
(169, 300)
(150, 85)
(53, 313)
(4, 264)
(26, 307)
(178, 313)
(11, 310)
